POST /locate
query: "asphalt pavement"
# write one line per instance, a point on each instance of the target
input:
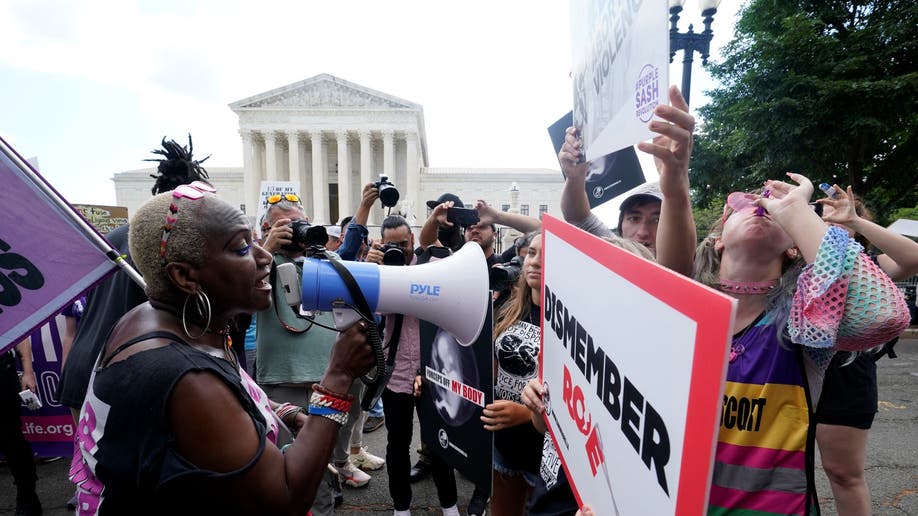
(892, 458)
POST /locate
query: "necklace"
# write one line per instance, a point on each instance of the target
(736, 347)
(747, 287)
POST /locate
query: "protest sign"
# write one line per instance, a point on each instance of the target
(620, 70)
(610, 175)
(45, 261)
(633, 357)
(103, 218)
(269, 188)
(458, 385)
(49, 429)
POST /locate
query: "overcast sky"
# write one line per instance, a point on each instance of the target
(90, 87)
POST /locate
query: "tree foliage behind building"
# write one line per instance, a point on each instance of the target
(827, 88)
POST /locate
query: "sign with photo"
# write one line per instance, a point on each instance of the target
(610, 175)
(633, 358)
(458, 385)
(620, 71)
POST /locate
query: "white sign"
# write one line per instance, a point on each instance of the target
(620, 68)
(269, 188)
(634, 357)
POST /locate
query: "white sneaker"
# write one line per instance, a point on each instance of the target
(366, 460)
(350, 475)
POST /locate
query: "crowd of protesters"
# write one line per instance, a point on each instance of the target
(207, 393)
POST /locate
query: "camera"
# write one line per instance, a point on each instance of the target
(392, 254)
(306, 234)
(463, 217)
(505, 275)
(388, 194)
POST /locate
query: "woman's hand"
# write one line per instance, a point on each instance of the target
(784, 196)
(532, 396)
(843, 211)
(503, 414)
(351, 356)
(418, 382)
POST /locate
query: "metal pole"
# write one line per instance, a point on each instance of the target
(112, 254)
(688, 54)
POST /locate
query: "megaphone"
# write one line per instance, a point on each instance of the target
(451, 293)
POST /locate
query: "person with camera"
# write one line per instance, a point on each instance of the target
(292, 353)
(402, 332)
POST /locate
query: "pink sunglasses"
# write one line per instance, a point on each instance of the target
(742, 201)
(193, 192)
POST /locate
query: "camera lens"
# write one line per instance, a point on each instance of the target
(388, 195)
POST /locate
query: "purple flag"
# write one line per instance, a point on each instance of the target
(47, 257)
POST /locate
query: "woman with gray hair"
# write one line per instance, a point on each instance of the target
(170, 423)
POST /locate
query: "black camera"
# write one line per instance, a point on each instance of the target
(388, 194)
(306, 234)
(392, 254)
(505, 275)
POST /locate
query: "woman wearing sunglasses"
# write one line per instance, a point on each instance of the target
(170, 423)
(804, 290)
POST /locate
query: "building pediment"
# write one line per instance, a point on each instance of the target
(323, 91)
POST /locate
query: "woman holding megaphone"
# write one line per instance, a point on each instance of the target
(170, 424)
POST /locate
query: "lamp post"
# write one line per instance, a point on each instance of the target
(690, 42)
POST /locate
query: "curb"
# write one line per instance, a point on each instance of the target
(911, 333)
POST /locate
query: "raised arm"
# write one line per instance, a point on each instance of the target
(214, 432)
(431, 229)
(357, 231)
(522, 223)
(900, 254)
(671, 150)
(575, 205)
(873, 311)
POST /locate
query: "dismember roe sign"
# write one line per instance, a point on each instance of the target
(620, 68)
(634, 357)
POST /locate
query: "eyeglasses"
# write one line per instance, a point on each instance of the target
(193, 192)
(276, 198)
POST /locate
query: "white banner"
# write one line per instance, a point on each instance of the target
(620, 68)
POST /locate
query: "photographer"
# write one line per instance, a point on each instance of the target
(292, 354)
(396, 247)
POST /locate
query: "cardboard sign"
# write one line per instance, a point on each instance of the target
(458, 384)
(634, 357)
(620, 69)
(269, 188)
(103, 218)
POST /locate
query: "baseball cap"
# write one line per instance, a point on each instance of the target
(647, 192)
(457, 202)
(333, 231)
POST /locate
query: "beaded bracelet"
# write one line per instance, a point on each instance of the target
(285, 409)
(331, 405)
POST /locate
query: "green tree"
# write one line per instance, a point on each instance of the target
(827, 88)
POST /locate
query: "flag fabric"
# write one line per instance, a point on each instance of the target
(47, 258)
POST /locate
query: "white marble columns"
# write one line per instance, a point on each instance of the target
(344, 176)
(264, 161)
(319, 180)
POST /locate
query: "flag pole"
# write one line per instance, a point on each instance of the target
(112, 254)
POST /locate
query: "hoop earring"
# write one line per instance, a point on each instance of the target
(202, 304)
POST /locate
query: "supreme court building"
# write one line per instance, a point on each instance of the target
(334, 136)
